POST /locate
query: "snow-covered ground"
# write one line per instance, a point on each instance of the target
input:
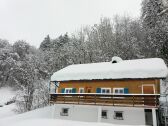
(6, 95)
(43, 117)
(57, 122)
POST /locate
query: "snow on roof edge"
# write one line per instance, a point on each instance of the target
(144, 68)
(109, 79)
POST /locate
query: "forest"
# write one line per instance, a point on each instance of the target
(28, 69)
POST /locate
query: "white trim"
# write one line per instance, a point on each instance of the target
(118, 89)
(82, 89)
(154, 117)
(105, 89)
(57, 90)
(153, 85)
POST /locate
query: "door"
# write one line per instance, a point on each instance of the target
(148, 100)
(88, 90)
(148, 117)
(148, 89)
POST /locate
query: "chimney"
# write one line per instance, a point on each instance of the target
(116, 59)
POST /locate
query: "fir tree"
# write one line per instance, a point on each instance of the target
(46, 44)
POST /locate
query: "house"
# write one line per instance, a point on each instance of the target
(120, 91)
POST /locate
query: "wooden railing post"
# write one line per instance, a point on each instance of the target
(64, 98)
(113, 99)
(85, 99)
(95, 99)
(56, 98)
(133, 100)
(78, 98)
(156, 100)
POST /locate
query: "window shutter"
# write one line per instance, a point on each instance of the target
(63, 90)
(126, 91)
(74, 90)
(98, 90)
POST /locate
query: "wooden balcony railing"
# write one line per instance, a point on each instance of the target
(135, 100)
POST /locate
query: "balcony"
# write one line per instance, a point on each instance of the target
(124, 100)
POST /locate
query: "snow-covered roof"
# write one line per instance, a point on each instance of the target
(126, 69)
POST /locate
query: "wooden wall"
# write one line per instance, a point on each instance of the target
(134, 86)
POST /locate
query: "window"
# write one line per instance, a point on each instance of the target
(64, 112)
(118, 115)
(118, 90)
(104, 114)
(81, 90)
(68, 90)
(105, 90)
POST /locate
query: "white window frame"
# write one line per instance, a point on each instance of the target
(82, 89)
(119, 118)
(62, 112)
(118, 89)
(57, 90)
(153, 85)
(104, 117)
(106, 89)
(68, 89)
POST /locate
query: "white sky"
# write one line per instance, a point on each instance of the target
(32, 20)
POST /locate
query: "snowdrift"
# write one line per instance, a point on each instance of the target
(43, 117)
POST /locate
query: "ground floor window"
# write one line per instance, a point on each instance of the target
(64, 112)
(104, 114)
(118, 115)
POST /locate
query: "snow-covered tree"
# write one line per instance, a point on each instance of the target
(155, 26)
(46, 43)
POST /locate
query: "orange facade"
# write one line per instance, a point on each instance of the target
(138, 86)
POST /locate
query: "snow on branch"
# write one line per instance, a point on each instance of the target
(165, 5)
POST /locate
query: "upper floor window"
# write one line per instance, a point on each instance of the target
(105, 90)
(68, 90)
(120, 90)
(81, 90)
